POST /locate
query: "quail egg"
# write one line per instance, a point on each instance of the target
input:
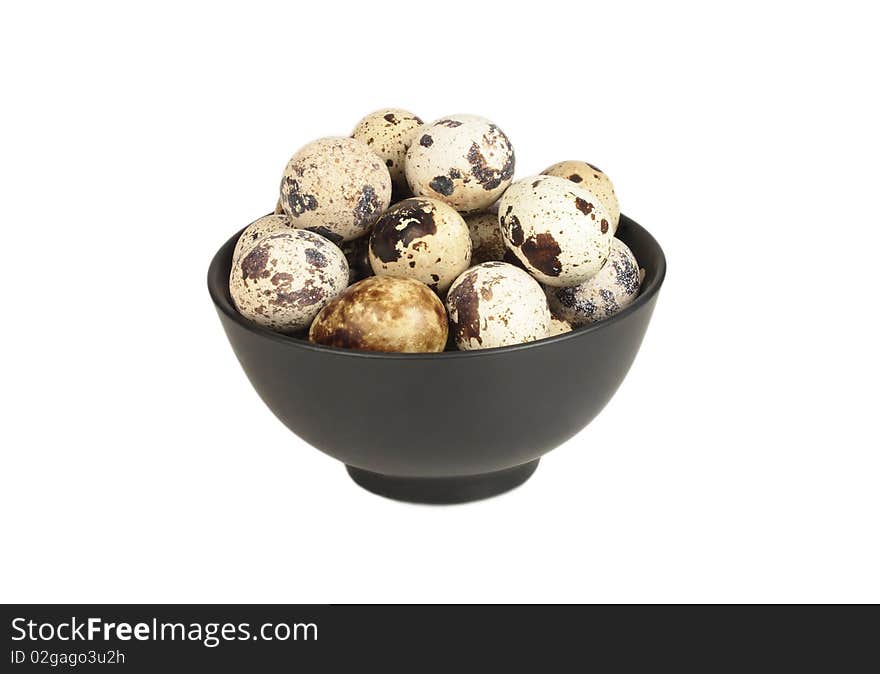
(336, 187)
(357, 253)
(558, 326)
(613, 288)
(587, 175)
(558, 230)
(383, 313)
(268, 224)
(284, 279)
(495, 304)
(421, 238)
(464, 160)
(388, 133)
(486, 239)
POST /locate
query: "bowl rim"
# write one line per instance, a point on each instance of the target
(223, 301)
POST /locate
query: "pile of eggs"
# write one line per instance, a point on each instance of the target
(406, 233)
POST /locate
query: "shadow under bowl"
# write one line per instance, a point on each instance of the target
(442, 427)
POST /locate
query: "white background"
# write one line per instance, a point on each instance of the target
(739, 460)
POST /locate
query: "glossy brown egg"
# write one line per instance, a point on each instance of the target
(383, 313)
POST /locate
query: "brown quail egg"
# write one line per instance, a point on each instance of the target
(336, 187)
(495, 304)
(587, 175)
(357, 253)
(279, 209)
(268, 224)
(423, 239)
(558, 230)
(612, 289)
(464, 160)
(383, 313)
(486, 239)
(388, 133)
(558, 326)
(283, 280)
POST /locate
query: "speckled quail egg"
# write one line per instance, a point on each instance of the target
(336, 187)
(283, 280)
(613, 288)
(383, 313)
(421, 238)
(558, 326)
(464, 160)
(486, 239)
(587, 175)
(268, 224)
(388, 133)
(558, 230)
(357, 253)
(495, 304)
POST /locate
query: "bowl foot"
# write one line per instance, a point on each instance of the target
(459, 489)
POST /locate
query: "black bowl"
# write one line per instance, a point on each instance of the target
(442, 427)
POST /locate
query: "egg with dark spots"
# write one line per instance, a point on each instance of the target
(588, 176)
(496, 304)
(357, 253)
(389, 133)
(423, 239)
(559, 231)
(383, 313)
(268, 224)
(486, 239)
(336, 187)
(463, 160)
(284, 279)
(611, 290)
